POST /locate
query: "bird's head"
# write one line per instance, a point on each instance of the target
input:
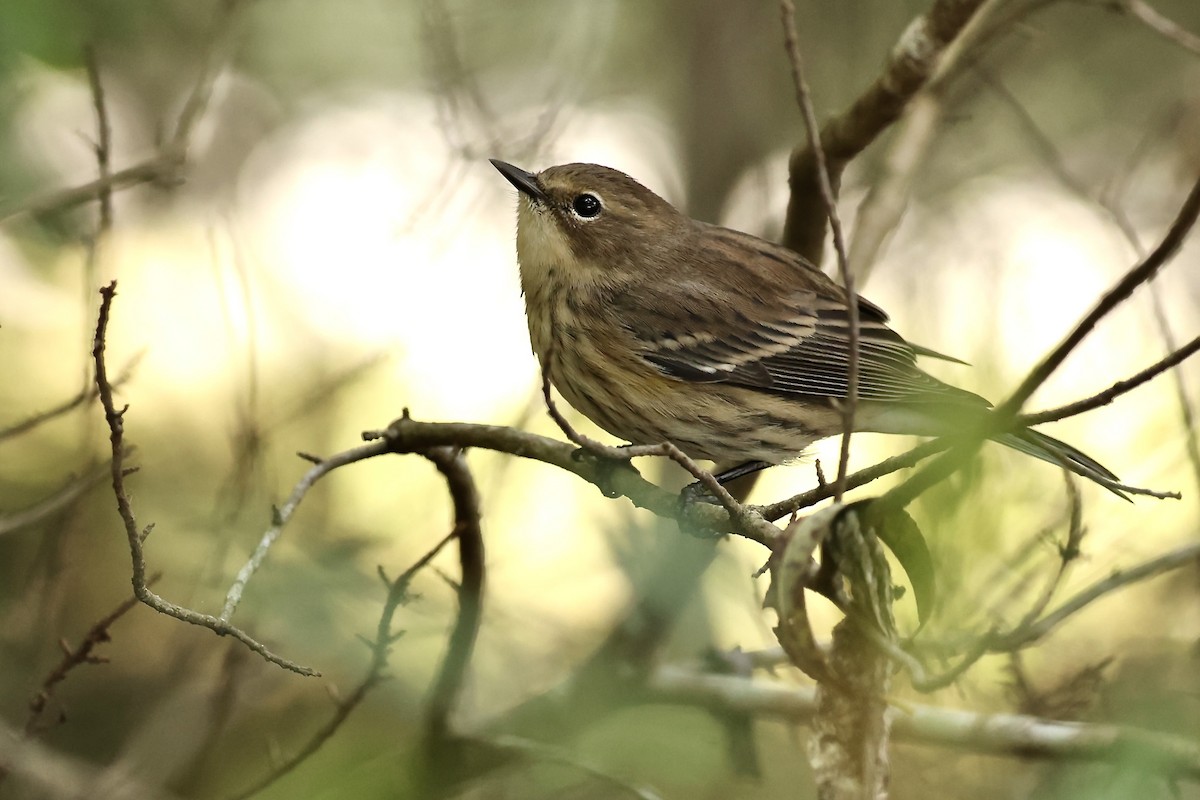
(598, 224)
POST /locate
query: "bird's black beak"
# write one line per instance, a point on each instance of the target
(526, 182)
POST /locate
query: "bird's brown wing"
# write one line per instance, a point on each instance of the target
(729, 323)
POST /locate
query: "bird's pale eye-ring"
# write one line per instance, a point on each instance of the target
(586, 206)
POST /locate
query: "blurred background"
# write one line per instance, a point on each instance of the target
(339, 249)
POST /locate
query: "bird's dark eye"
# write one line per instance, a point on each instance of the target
(586, 205)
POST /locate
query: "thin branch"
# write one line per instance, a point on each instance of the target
(103, 142)
(407, 435)
(1140, 273)
(76, 656)
(154, 169)
(136, 536)
(1113, 392)
(781, 509)
(1027, 634)
(828, 197)
(1012, 735)
(1004, 416)
(381, 650)
(56, 775)
(282, 515)
(1054, 159)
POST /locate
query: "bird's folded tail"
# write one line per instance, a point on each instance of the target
(1058, 452)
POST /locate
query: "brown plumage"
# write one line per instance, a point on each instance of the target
(659, 328)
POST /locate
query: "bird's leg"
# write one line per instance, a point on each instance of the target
(605, 467)
(696, 492)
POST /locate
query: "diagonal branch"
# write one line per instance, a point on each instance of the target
(1116, 390)
(1142, 272)
(135, 536)
(1005, 415)
(381, 650)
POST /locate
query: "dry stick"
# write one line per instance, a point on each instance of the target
(381, 650)
(103, 145)
(54, 774)
(281, 515)
(804, 100)
(103, 152)
(984, 644)
(136, 537)
(85, 395)
(1012, 735)
(549, 753)
(1141, 273)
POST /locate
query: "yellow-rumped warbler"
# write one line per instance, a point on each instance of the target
(658, 327)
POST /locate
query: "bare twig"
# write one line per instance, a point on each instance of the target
(1138, 275)
(53, 774)
(74, 657)
(135, 536)
(1026, 634)
(829, 198)
(381, 650)
(803, 500)
(281, 515)
(406, 435)
(103, 142)
(1005, 414)
(1116, 390)
(1012, 735)
(1053, 158)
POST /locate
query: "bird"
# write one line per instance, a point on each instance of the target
(662, 328)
